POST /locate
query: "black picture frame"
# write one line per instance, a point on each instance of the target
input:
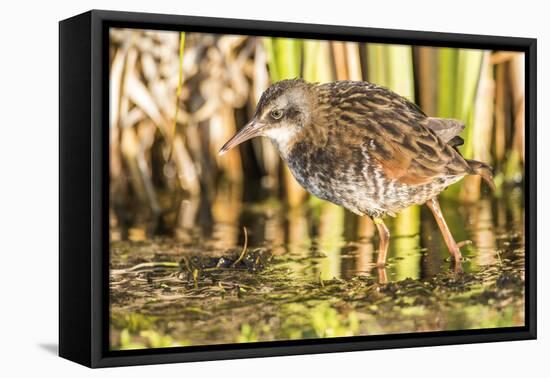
(84, 195)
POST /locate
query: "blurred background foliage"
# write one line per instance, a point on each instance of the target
(177, 97)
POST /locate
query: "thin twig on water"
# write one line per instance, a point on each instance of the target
(147, 265)
(243, 252)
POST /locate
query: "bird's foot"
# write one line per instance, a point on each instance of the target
(456, 260)
(457, 267)
(464, 243)
(382, 276)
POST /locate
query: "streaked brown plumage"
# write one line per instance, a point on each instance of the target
(363, 147)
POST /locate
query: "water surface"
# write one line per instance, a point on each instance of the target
(182, 278)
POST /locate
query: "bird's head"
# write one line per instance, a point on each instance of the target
(282, 113)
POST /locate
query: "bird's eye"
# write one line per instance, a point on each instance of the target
(277, 113)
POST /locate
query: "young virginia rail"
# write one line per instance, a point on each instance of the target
(363, 147)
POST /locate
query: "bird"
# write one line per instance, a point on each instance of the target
(364, 147)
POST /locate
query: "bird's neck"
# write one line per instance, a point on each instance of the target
(283, 139)
(286, 140)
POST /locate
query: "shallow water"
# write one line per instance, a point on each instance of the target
(309, 272)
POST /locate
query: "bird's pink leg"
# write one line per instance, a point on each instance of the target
(384, 234)
(433, 204)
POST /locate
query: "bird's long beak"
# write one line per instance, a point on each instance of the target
(249, 131)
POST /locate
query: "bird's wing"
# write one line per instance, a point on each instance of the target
(414, 154)
(445, 128)
(399, 136)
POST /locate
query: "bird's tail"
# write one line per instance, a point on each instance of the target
(483, 170)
